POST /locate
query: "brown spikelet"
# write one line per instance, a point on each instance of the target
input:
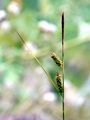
(57, 60)
(59, 83)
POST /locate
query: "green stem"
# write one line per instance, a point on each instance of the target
(36, 59)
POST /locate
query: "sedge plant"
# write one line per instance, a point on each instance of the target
(59, 83)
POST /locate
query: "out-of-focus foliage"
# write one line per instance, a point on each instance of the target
(18, 67)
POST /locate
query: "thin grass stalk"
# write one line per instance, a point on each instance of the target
(62, 23)
(36, 59)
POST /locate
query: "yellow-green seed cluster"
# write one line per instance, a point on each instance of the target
(57, 60)
(59, 84)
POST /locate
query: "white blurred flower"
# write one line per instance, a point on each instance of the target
(5, 105)
(72, 97)
(5, 26)
(84, 28)
(30, 47)
(9, 84)
(14, 8)
(39, 70)
(3, 14)
(49, 97)
(85, 89)
(45, 26)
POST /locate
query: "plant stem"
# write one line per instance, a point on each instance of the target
(62, 22)
(36, 59)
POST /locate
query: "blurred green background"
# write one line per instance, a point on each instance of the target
(39, 24)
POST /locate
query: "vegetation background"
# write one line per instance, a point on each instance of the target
(24, 87)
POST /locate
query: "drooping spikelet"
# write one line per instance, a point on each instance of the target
(57, 60)
(59, 83)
